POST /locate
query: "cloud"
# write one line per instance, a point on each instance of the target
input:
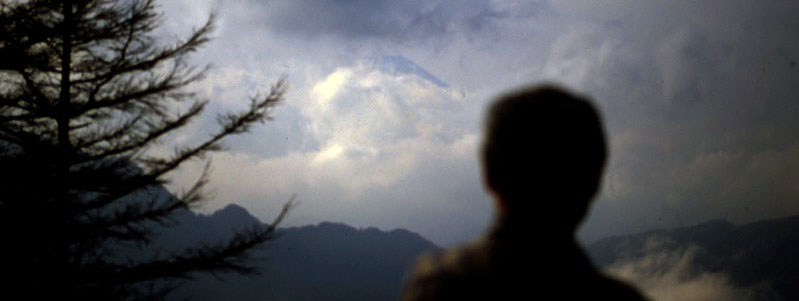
(691, 105)
(387, 154)
(663, 274)
(364, 108)
(698, 97)
(376, 19)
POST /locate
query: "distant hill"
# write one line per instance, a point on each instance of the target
(761, 255)
(328, 261)
(714, 260)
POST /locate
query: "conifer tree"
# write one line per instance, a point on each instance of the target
(85, 91)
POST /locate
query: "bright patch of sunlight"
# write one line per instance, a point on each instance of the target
(327, 89)
(329, 153)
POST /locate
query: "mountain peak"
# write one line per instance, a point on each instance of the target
(234, 214)
(400, 65)
(231, 209)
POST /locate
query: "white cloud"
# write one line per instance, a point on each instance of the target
(384, 151)
(359, 111)
(327, 88)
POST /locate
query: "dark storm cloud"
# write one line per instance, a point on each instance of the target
(388, 19)
(701, 109)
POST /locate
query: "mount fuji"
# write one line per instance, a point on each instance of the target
(400, 65)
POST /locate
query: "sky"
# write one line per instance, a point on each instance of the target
(381, 122)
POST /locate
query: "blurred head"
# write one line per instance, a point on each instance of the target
(543, 154)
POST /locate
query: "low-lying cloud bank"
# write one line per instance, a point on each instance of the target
(663, 274)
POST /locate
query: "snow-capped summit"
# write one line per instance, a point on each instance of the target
(400, 65)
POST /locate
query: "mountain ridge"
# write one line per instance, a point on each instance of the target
(327, 260)
(400, 65)
(336, 261)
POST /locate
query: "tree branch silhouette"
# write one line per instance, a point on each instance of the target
(86, 91)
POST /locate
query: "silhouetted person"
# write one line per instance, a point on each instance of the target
(543, 156)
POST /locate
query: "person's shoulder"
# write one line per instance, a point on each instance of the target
(618, 290)
(448, 261)
(436, 274)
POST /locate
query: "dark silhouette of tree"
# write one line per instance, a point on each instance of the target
(85, 91)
